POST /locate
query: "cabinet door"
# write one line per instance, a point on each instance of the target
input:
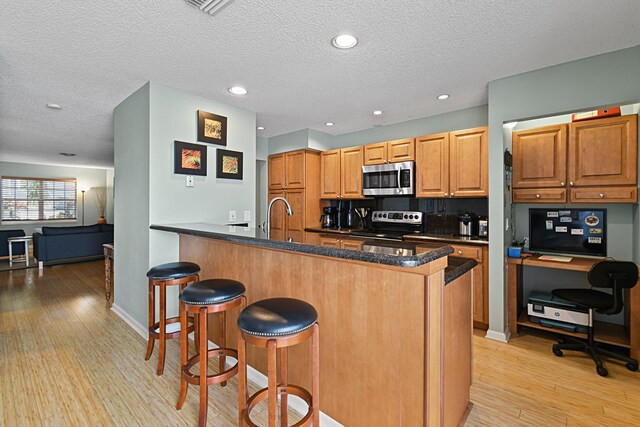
(355, 245)
(604, 195)
(351, 173)
(468, 163)
(295, 222)
(540, 195)
(479, 296)
(540, 157)
(330, 174)
(295, 169)
(604, 152)
(330, 241)
(276, 171)
(277, 224)
(375, 154)
(401, 150)
(432, 165)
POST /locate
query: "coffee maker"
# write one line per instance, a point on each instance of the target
(328, 218)
(467, 224)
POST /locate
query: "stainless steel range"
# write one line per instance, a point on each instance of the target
(393, 224)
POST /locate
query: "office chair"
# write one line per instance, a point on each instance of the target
(617, 275)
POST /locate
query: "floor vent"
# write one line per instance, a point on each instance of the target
(210, 6)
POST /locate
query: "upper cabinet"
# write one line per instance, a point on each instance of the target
(604, 152)
(452, 164)
(341, 173)
(401, 150)
(276, 168)
(288, 170)
(540, 157)
(592, 161)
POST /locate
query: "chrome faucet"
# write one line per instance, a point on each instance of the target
(289, 212)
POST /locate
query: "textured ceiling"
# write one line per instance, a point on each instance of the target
(88, 56)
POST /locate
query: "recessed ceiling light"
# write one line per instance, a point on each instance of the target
(68, 154)
(260, 128)
(54, 106)
(329, 124)
(238, 90)
(344, 41)
(443, 96)
(377, 113)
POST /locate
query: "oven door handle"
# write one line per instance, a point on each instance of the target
(399, 174)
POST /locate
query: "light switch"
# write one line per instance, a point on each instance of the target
(189, 180)
(232, 216)
(247, 215)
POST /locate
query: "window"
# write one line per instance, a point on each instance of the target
(38, 199)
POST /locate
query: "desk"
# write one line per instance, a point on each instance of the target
(624, 336)
(108, 273)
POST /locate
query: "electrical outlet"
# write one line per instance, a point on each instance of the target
(189, 180)
(247, 215)
(526, 242)
(232, 216)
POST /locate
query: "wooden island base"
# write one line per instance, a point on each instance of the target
(396, 343)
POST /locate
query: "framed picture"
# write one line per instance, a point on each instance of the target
(212, 128)
(229, 164)
(189, 159)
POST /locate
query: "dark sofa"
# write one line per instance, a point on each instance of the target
(59, 244)
(17, 248)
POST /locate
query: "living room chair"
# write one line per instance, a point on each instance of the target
(617, 275)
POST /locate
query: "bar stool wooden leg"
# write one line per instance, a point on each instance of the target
(272, 373)
(184, 354)
(163, 328)
(284, 415)
(204, 348)
(196, 332)
(315, 374)
(242, 378)
(152, 318)
(223, 344)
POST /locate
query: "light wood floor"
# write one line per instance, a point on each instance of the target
(66, 360)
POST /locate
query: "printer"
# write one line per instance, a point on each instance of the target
(553, 312)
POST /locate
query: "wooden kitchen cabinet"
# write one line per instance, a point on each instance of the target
(604, 195)
(604, 152)
(333, 242)
(340, 242)
(480, 281)
(355, 245)
(540, 157)
(453, 164)
(401, 150)
(296, 177)
(468, 163)
(341, 173)
(540, 195)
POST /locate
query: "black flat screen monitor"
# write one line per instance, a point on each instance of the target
(568, 231)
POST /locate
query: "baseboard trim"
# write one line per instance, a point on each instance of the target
(135, 325)
(498, 336)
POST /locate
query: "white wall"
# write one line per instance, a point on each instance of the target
(84, 176)
(163, 115)
(599, 81)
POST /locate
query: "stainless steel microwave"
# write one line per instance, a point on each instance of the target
(389, 179)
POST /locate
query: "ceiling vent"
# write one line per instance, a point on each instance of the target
(210, 6)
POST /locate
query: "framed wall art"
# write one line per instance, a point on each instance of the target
(189, 159)
(229, 164)
(212, 128)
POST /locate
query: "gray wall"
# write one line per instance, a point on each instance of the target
(561, 89)
(148, 192)
(291, 141)
(84, 176)
(131, 240)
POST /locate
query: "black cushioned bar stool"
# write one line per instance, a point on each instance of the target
(276, 324)
(161, 276)
(203, 298)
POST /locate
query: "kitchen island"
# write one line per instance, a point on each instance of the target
(395, 319)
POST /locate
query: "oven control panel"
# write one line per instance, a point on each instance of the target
(397, 217)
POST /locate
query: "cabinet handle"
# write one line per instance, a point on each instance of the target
(446, 194)
(562, 183)
(602, 195)
(537, 196)
(452, 194)
(570, 182)
(460, 252)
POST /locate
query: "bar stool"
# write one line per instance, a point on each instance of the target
(161, 276)
(203, 298)
(278, 323)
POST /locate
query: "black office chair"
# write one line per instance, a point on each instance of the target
(617, 275)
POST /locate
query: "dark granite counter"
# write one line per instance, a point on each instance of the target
(387, 252)
(457, 267)
(433, 237)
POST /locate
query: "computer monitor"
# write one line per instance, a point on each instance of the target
(568, 231)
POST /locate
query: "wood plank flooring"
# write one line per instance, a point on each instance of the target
(66, 360)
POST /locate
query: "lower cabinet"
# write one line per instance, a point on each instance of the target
(341, 242)
(480, 281)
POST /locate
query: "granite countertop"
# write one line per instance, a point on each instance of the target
(434, 237)
(457, 267)
(387, 252)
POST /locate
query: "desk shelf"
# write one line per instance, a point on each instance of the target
(606, 333)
